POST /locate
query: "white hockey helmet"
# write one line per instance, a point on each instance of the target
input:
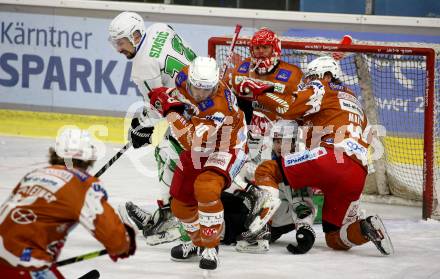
(283, 129)
(322, 65)
(124, 25)
(75, 143)
(203, 73)
(203, 78)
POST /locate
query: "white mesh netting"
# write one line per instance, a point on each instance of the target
(392, 88)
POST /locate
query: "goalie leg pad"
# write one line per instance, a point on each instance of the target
(265, 207)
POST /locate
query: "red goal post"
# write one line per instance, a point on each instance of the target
(394, 83)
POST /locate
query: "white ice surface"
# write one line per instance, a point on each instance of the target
(416, 242)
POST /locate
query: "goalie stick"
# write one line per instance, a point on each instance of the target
(231, 51)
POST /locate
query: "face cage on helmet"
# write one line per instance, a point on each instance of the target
(265, 65)
(189, 87)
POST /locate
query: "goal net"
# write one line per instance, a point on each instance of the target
(399, 88)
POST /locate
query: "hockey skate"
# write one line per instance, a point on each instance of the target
(134, 215)
(262, 206)
(163, 227)
(185, 252)
(373, 228)
(209, 258)
(254, 243)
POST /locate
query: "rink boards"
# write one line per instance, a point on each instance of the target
(113, 129)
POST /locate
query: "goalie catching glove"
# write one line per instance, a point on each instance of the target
(163, 102)
(251, 89)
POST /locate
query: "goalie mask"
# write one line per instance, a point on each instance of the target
(124, 26)
(203, 78)
(263, 59)
(321, 65)
(74, 143)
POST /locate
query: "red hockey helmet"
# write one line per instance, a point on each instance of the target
(265, 37)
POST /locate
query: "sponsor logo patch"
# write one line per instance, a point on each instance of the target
(26, 255)
(209, 232)
(283, 75)
(244, 68)
(217, 117)
(181, 77)
(211, 219)
(23, 216)
(336, 87)
(351, 107)
(228, 96)
(98, 188)
(304, 156)
(219, 160)
(206, 104)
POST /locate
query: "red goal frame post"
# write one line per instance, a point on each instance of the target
(429, 94)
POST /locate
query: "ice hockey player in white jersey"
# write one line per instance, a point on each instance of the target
(158, 53)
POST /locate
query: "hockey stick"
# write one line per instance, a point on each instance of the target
(159, 131)
(231, 51)
(83, 257)
(95, 254)
(113, 159)
(92, 274)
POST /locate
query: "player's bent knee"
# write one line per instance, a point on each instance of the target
(208, 186)
(183, 211)
(334, 241)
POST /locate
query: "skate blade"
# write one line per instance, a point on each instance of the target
(384, 245)
(189, 260)
(259, 223)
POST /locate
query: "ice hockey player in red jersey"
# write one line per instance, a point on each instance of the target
(205, 119)
(335, 159)
(48, 202)
(296, 212)
(263, 71)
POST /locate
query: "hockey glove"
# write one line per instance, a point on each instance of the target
(305, 237)
(251, 89)
(163, 102)
(132, 248)
(139, 134)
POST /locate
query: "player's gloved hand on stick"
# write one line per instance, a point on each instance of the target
(305, 237)
(140, 133)
(251, 89)
(132, 248)
(163, 102)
